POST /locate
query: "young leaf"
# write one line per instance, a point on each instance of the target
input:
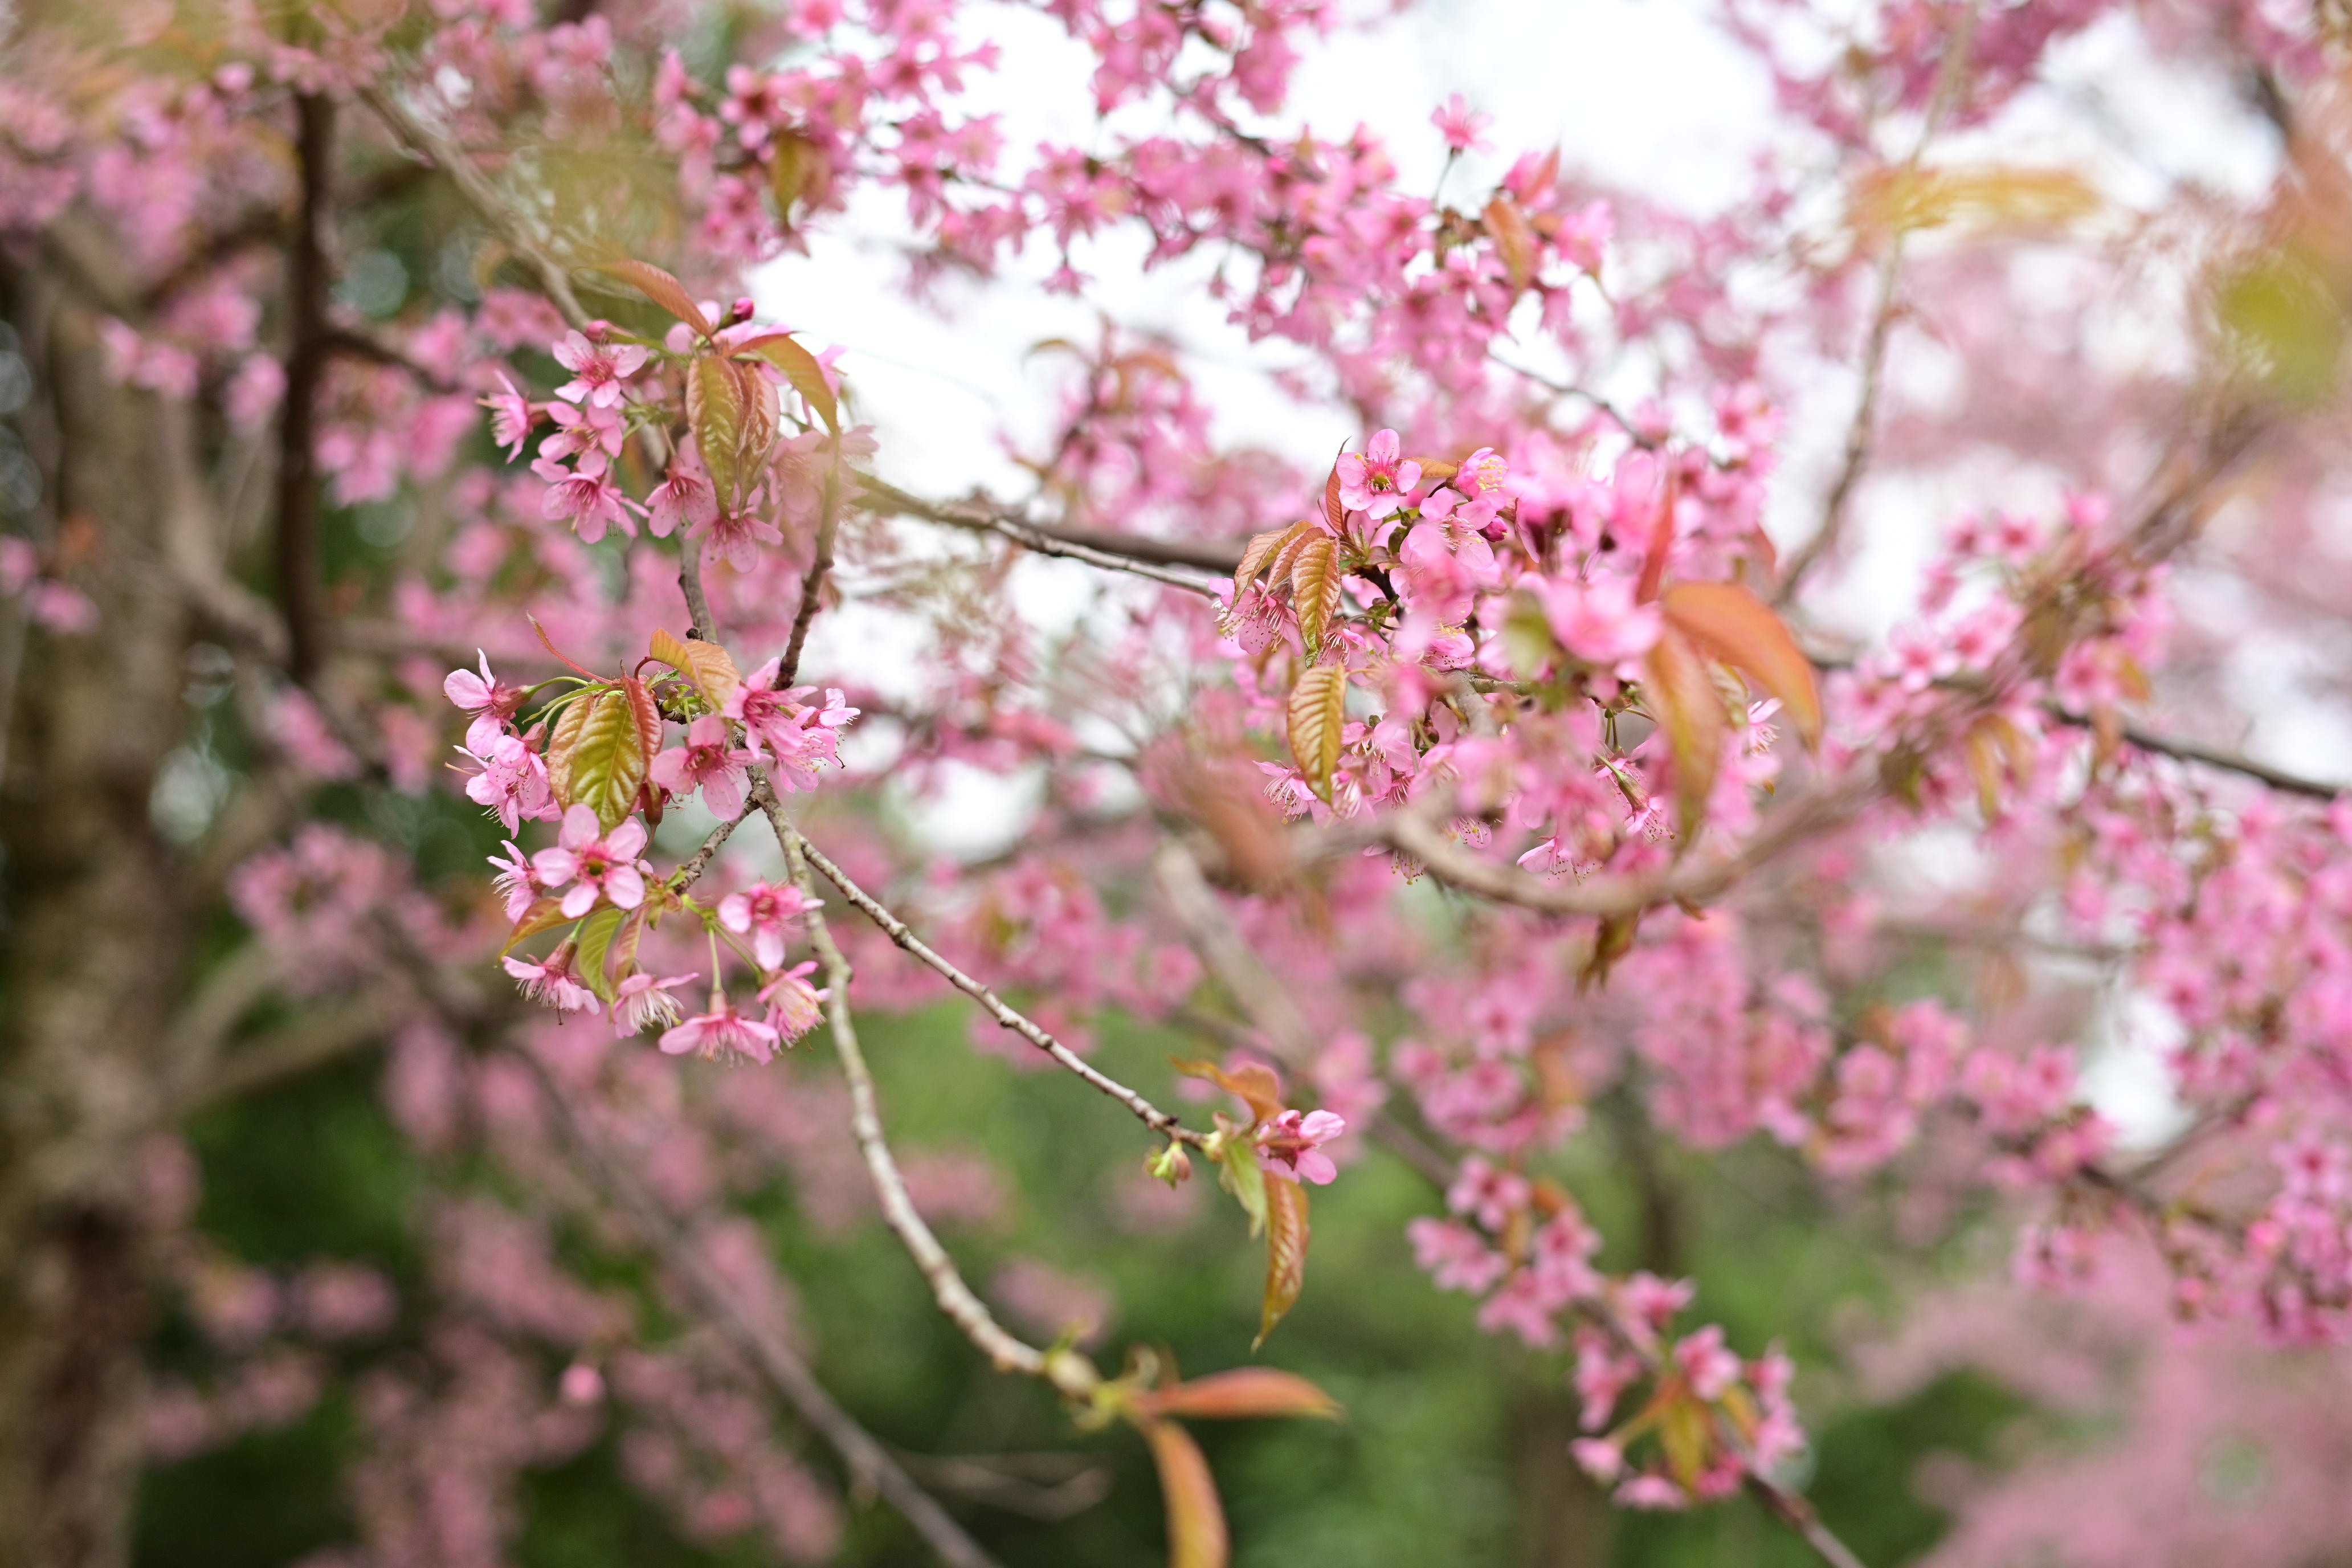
(1242, 1393)
(660, 288)
(1682, 697)
(602, 748)
(548, 644)
(1261, 547)
(1285, 1252)
(1318, 709)
(544, 914)
(1727, 621)
(595, 940)
(715, 413)
(1196, 1521)
(704, 663)
(1515, 242)
(1334, 512)
(1251, 1082)
(1315, 589)
(1239, 1174)
(800, 368)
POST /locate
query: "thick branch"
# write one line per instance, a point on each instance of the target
(870, 1463)
(992, 1004)
(297, 544)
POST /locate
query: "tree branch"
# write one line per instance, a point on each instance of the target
(1111, 551)
(2207, 756)
(992, 1004)
(296, 553)
(870, 1463)
(1066, 1371)
(820, 565)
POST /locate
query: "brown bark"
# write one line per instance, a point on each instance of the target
(95, 942)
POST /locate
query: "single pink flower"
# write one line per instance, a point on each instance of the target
(515, 883)
(721, 1034)
(685, 496)
(767, 914)
(600, 864)
(736, 535)
(490, 701)
(590, 503)
(592, 435)
(597, 369)
(1599, 622)
(644, 998)
(1291, 1146)
(779, 725)
(511, 416)
(511, 779)
(794, 1005)
(1377, 483)
(553, 980)
(1463, 127)
(710, 760)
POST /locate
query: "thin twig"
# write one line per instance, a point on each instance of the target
(1949, 78)
(896, 930)
(1106, 551)
(819, 566)
(869, 1463)
(2207, 756)
(955, 1298)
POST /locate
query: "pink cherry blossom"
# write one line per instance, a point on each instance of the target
(1463, 127)
(644, 999)
(708, 761)
(509, 778)
(511, 416)
(598, 370)
(553, 980)
(1291, 1145)
(492, 703)
(794, 1005)
(599, 865)
(768, 914)
(1377, 482)
(781, 726)
(722, 1034)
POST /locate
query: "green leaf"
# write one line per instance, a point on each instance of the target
(1196, 1519)
(1285, 1252)
(715, 413)
(800, 368)
(1239, 1174)
(595, 940)
(602, 747)
(544, 914)
(1318, 710)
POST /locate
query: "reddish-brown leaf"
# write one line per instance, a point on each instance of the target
(548, 644)
(1254, 1083)
(1260, 550)
(702, 662)
(659, 286)
(1196, 1519)
(1661, 540)
(800, 368)
(1333, 512)
(1682, 697)
(1318, 710)
(1285, 1252)
(1515, 242)
(1240, 1394)
(715, 413)
(1730, 623)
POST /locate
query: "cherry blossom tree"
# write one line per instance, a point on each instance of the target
(383, 379)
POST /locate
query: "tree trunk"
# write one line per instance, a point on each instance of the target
(94, 948)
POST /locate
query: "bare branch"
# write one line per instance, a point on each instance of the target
(819, 566)
(2207, 756)
(296, 547)
(1112, 552)
(992, 1004)
(955, 1298)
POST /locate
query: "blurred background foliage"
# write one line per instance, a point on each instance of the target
(1453, 1450)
